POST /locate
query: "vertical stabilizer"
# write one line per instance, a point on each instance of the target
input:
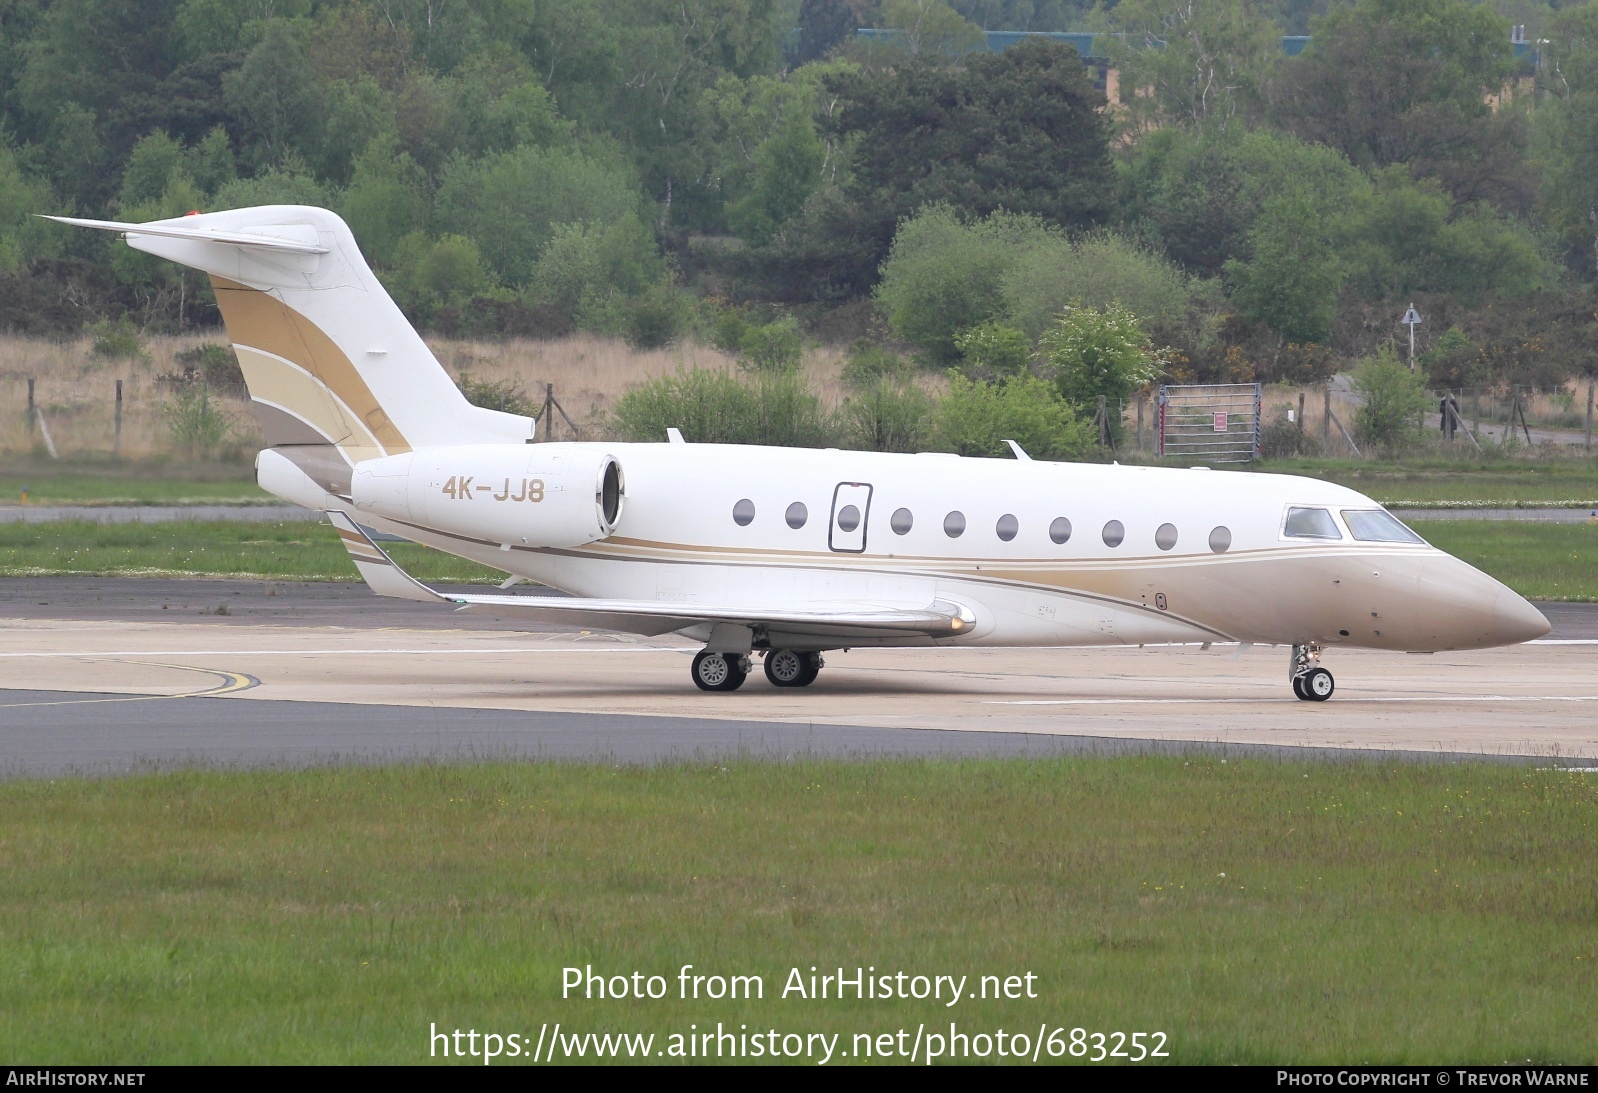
(335, 372)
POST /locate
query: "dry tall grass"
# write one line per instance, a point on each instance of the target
(75, 390)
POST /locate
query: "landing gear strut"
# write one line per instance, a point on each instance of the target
(790, 668)
(720, 671)
(1311, 682)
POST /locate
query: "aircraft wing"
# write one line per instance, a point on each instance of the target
(386, 578)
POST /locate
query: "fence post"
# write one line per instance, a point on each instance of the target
(32, 414)
(1140, 420)
(1326, 417)
(116, 444)
(1589, 414)
(1301, 414)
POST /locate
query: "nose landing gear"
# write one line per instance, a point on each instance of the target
(1311, 682)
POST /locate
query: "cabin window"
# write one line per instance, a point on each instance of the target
(797, 514)
(954, 524)
(1060, 530)
(1308, 523)
(1114, 533)
(848, 518)
(1378, 526)
(1221, 540)
(902, 521)
(1007, 527)
(1165, 537)
(743, 513)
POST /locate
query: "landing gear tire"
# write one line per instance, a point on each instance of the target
(719, 671)
(1315, 685)
(790, 668)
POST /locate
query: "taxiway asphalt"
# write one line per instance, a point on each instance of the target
(100, 676)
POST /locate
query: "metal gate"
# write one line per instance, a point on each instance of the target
(1210, 423)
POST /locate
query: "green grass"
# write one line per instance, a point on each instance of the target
(1489, 482)
(286, 550)
(1540, 561)
(1255, 911)
(108, 482)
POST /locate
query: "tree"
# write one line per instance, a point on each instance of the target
(1291, 279)
(1196, 63)
(1407, 81)
(944, 276)
(386, 200)
(1099, 354)
(824, 25)
(510, 203)
(931, 27)
(274, 95)
(1394, 400)
(1022, 130)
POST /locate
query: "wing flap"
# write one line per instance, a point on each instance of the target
(652, 616)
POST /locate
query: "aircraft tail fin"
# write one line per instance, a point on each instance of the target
(335, 372)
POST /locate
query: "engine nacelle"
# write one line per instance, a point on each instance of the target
(542, 495)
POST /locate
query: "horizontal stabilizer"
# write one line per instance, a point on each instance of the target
(940, 620)
(282, 240)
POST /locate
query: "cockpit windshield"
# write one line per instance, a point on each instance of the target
(1378, 526)
(1308, 523)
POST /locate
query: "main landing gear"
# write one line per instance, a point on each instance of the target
(1311, 682)
(789, 668)
(720, 671)
(727, 671)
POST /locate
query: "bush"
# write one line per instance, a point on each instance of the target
(1395, 400)
(717, 408)
(976, 418)
(773, 347)
(943, 276)
(708, 407)
(1101, 271)
(868, 364)
(890, 415)
(209, 363)
(505, 396)
(656, 318)
(197, 426)
(117, 340)
(1284, 439)
(993, 349)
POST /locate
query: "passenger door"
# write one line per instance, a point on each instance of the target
(851, 506)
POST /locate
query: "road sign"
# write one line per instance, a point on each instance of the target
(1411, 319)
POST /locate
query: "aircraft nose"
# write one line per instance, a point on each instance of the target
(1515, 620)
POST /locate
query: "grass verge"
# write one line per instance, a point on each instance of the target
(1540, 561)
(1255, 911)
(288, 550)
(128, 482)
(1489, 482)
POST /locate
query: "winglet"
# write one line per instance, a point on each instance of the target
(377, 569)
(1019, 452)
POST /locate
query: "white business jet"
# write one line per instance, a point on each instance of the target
(787, 552)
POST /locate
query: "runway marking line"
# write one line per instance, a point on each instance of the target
(1195, 701)
(232, 682)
